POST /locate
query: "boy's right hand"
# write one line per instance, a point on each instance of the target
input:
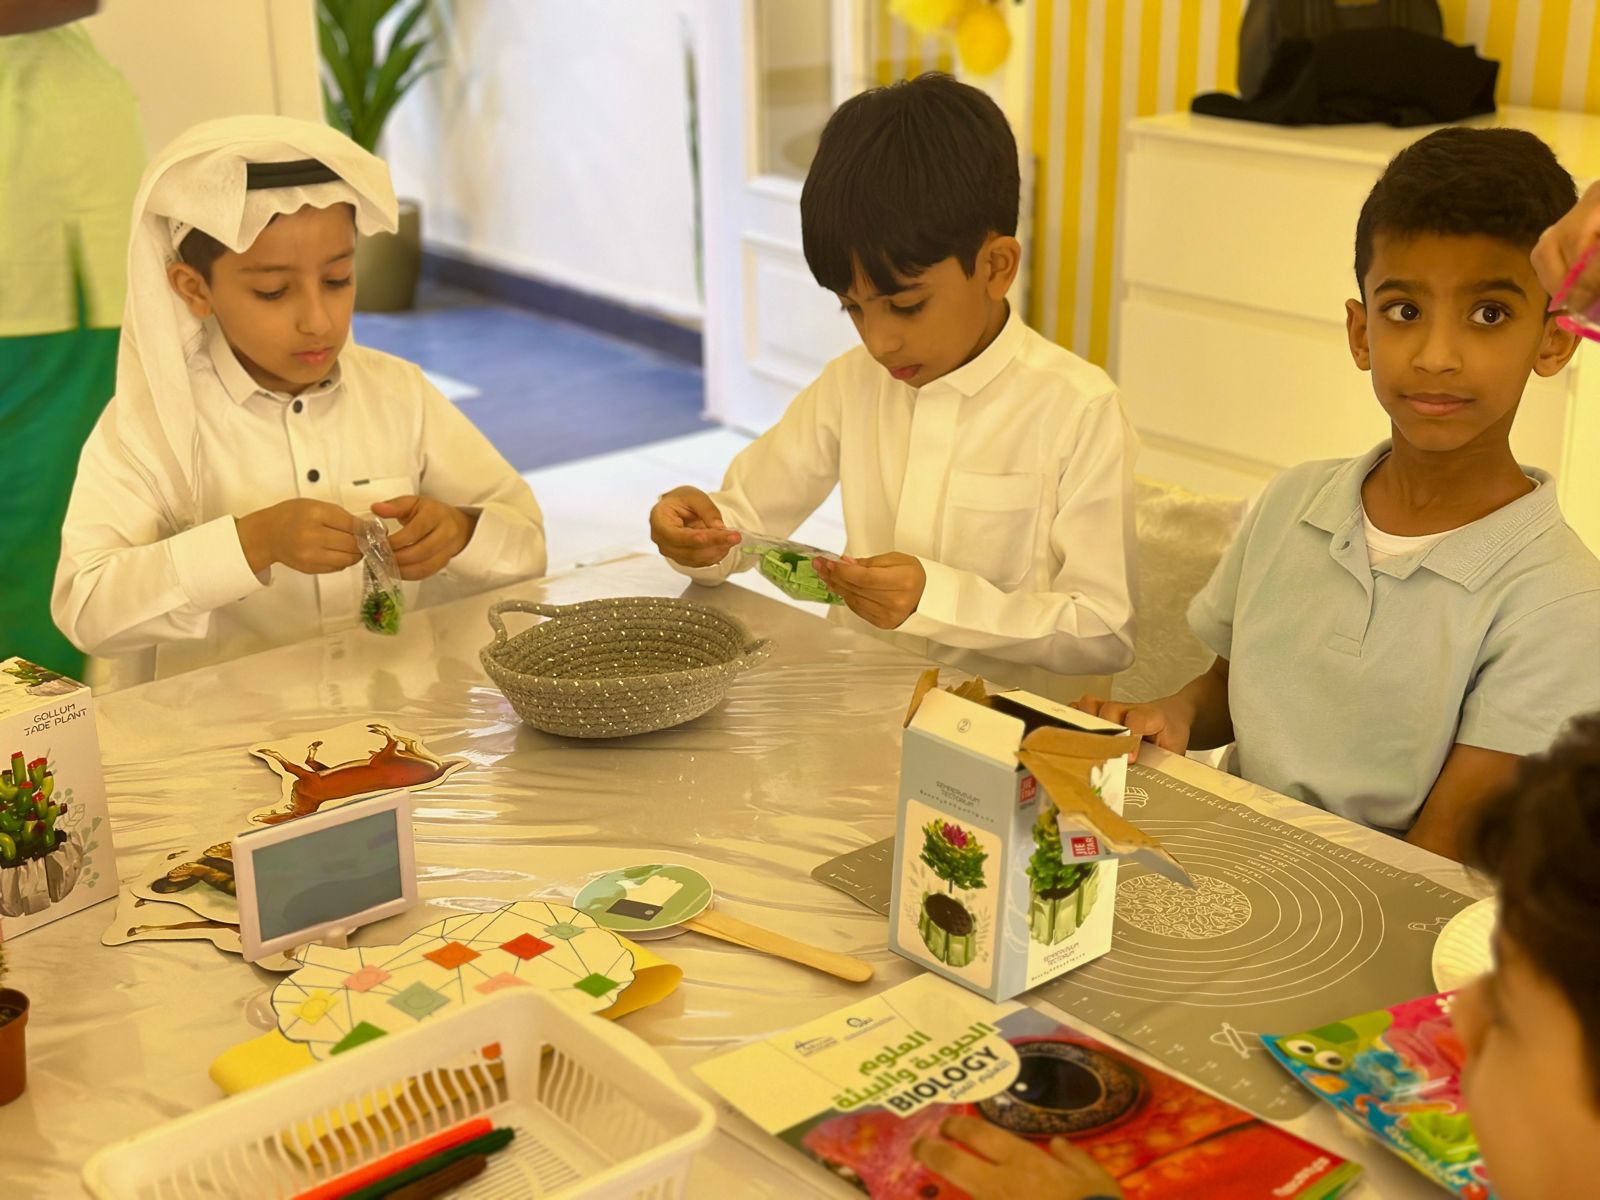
(1167, 722)
(310, 536)
(686, 527)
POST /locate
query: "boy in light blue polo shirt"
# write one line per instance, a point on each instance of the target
(1393, 632)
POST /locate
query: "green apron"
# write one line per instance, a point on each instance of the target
(70, 156)
(52, 388)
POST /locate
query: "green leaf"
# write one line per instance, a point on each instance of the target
(332, 113)
(407, 23)
(370, 80)
(386, 91)
(338, 66)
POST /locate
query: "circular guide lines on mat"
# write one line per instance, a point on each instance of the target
(1283, 921)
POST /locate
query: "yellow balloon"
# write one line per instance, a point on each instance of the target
(983, 39)
(927, 17)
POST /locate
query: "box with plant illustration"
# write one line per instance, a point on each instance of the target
(55, 837)
(1008, 837)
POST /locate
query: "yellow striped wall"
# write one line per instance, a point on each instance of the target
(1097, 63)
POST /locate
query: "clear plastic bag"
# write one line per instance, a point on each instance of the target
(381, 598)
(788, 565)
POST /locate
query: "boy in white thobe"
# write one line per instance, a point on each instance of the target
(219, 496)
(986, 473)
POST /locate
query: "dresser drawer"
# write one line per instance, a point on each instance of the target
(1274, 233)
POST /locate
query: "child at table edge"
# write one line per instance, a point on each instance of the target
(218, 498)
(986, 472)
(1393, 632)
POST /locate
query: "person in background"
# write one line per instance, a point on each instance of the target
(1561, 246)
(71, 150)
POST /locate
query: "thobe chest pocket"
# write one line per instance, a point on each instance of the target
(357, 496)
(989, 525)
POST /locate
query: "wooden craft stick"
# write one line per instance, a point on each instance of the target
(489, 1143)
(399, 1160)
(442, 1180)
(753, 937)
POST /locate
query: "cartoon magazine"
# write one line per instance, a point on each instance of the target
(855, 1090)
(1397, 1072)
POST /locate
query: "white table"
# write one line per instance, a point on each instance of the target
(800, 764)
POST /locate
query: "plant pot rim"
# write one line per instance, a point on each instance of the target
(12, 998)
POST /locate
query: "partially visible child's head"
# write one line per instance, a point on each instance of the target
(285, 303)
(1532, 1028)
(1451, 318)
(909, 215)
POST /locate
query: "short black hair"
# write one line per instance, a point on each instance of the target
(1541, 840)
(1504, 183)
(906, 176)
(201, 251)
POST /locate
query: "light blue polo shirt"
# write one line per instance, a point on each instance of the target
(1349, 683)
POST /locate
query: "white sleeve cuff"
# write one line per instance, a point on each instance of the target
(480, 558)
(211, 567)
(710, 576)
(936, 609)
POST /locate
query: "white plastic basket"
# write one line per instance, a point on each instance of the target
(597, 1113)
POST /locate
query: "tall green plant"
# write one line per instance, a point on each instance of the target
(364, 79)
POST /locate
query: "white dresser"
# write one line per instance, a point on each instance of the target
(1236, 252)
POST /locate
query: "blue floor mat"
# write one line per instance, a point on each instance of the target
(549, 392)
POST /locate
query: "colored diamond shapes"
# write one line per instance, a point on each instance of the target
(565, 930)
(500, 983)
(596, 985)
(418, 1000)
(364, 1032)
(452, 955)
(365, 979)
(526, 946)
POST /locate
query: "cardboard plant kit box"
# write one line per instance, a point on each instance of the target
(55, 838)
(1009, 832)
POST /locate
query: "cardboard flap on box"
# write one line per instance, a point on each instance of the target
(1065, 762)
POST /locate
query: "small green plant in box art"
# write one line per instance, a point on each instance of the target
(28, 811)
(1062, 892)
(947, 925)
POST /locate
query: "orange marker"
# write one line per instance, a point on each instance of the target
(390, 1164)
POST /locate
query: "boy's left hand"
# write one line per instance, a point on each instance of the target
(882, 590)
(431, 534)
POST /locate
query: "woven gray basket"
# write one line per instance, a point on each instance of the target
(611, 668)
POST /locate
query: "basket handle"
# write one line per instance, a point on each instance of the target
(526, 606)
(754, 654)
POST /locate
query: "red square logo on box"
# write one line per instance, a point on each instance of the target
(1030, 789)
(1085, 847)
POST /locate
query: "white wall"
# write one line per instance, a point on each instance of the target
(554, 144)
(192, 60)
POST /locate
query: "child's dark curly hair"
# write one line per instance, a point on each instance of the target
(1541, 840)
(1503, 183)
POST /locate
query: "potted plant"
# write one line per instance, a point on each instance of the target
(1062, 893)
(13, 1049)
(367, 70)
(947, 925)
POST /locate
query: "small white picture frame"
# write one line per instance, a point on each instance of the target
(318, 878)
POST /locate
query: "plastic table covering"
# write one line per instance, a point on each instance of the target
(801, 763)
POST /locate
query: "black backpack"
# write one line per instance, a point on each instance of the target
(1268, 24)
